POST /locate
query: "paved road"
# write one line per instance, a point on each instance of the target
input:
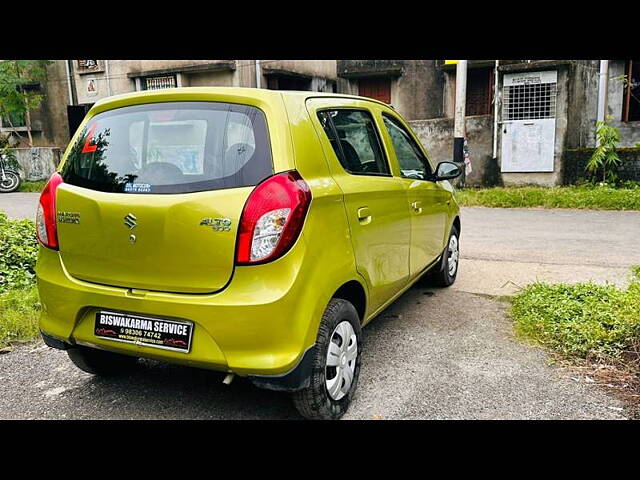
(435, 353)
(505, 248)
(19, 205)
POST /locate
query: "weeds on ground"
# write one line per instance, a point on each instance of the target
(594, 327)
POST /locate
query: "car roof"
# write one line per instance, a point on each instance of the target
(265, 94)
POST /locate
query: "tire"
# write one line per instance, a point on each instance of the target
(11, 183)
(444, 277)
(316, 402)
(100, 362)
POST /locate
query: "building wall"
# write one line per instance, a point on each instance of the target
(629, 131)
(313, 68)
(582, 103)
(436, 135)
(206, 79)
(121, 79)
(575, 163)
(576, 104)
(54, 112)
(419, 90)
(543, 178)
(416, 85)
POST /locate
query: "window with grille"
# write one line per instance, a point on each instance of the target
(156, 83)
(529, 98)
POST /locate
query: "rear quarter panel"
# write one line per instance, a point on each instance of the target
(326, 230)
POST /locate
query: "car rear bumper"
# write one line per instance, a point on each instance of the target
(260, 325)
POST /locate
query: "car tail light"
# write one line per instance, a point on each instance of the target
(46, 216)
(272, 218)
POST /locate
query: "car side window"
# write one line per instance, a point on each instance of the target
(412, 162)
(353, 136)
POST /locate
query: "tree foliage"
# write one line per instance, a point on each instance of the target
(17, 101)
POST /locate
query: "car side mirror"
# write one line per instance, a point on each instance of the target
(447, 171)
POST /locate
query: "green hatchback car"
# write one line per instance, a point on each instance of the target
(249, 231)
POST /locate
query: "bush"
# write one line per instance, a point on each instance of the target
(18, 253)
(584, 320)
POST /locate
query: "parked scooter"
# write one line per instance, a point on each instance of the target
(9, 179)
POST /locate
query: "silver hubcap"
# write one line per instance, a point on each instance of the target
(341, 360)
(454, 253)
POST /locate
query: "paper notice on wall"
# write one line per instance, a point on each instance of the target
(467, 158)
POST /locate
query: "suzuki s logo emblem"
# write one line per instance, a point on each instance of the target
(130, 221)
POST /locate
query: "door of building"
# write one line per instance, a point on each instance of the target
(528, 121)
(375, 87)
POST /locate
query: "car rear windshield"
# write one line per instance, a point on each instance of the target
(175, 147)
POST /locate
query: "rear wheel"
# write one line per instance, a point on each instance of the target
(336, 364)
(449, 266)
(100, 362)
(11, 182)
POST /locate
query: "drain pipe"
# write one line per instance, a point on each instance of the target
(106, 74)
(495, 110)
(69, 89)
(602, 92)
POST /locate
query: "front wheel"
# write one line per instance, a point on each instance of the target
(10, 183)
(336, 364)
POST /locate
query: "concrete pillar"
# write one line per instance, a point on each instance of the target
(258, 75)
(459, 113)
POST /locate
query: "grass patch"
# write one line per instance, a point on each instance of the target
(19, 314)
(32, 186)
(585, 320)
(593, 327)
(582, 197)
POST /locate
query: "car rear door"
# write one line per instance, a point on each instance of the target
(375, 200)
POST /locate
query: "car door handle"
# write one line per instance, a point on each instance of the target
(417, 207)
(364, 215)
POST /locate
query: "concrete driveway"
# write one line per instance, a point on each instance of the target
(19, 205)
(435, 353)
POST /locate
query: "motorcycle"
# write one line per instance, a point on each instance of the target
(9, 179)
